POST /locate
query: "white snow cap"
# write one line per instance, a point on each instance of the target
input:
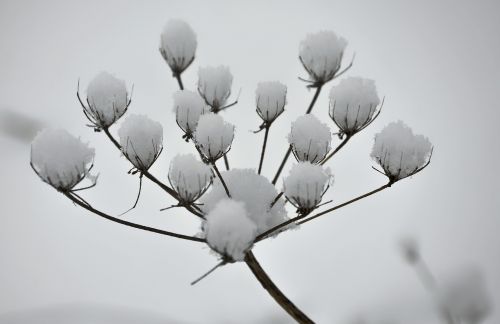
(270, 98)
(310, 139)
(214, 85)
(465, 297)
(189, 177)
(255, 191)
(141, 139)
(353, 103)
(306, 184)
(321, 55)
(399, 152)
(60, 159)
(107, 99)
(178, 45)
(228, 230)
(188, 107)
(213, 136)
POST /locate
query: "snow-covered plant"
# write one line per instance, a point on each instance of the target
(399, 152)
(141, 140)
(188, 107)
(255, 191)
(214, 85)
(353, 104)
(189, 177)
(321, 55)
(305, 186)
(310, 139)
(237, 208)
(107, 100)
(228, 229)
(178, 45)
(60, 159)
(270, 100)
(213, 136)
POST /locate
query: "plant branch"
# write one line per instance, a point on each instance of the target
(134, 225)
(221, 179)
(179, 80)
(266, 134)
(274, 291)
(344, 142)
(226, 161)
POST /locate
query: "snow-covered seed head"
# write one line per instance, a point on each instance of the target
(321, 55)
(353, 104)
(310, 139)
(399, 152)
(255, 191)
(189, 177)
(214, 85)
(229, 231)
(270, 99)
(141, 140)
(107, 100)
(213, 136)
(60, 159)
(178, 45)
(188, 107)
(465, 298)
(305, 185)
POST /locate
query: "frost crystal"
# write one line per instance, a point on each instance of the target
(188, 107)
(252, 189)
(310, 139)
(107, 100)
(399, 152)
(213, 136)
(141, 139)
(228, 230)
(321, 55)
(214, 85)
(189, 177)
(465, 298)
(60, 159)
(178, 45)
(270, 99)
(305, 185)
(353, 103)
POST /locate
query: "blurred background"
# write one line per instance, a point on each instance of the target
(436, 63)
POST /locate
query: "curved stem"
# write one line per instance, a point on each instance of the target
(266, 134)
(179, 80)
(274, 291)
(221, 180)
(313, 101)
(134, 225)
(226, 162)
(344, 142)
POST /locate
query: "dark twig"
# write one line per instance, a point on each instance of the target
(266, 134)
(221, 179)
(329, 156)
(220, 264)
(179, 80)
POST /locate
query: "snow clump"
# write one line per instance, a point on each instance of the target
(189, 177)
(214, 85)
(213, 136)
(310, 139)
(178, 45)
(188, 107)
(270, 100)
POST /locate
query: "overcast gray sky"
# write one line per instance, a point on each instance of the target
(435, 61)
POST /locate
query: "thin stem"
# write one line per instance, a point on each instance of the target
(387, 185)
(274, 291)
(179, 80)
(272, 230)
(221, 180)
(126, 223)
(226, 162)
(266, 134)
(287, 155)
(344, 142)
(220, 264)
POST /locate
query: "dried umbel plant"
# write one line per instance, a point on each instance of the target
(237, 208)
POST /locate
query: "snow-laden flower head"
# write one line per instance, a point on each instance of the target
(228, 230)
(270, 99)
(255, 191)
(213, 136)
(214, 85)
(178, 45)
(107, 100)
(321, 55)
(188, 107)
(141, 140)
(399, 152)
(465, 298)
(306, 184)
(310, 139)
(189, 177)
(353, 104)
(60, 159)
